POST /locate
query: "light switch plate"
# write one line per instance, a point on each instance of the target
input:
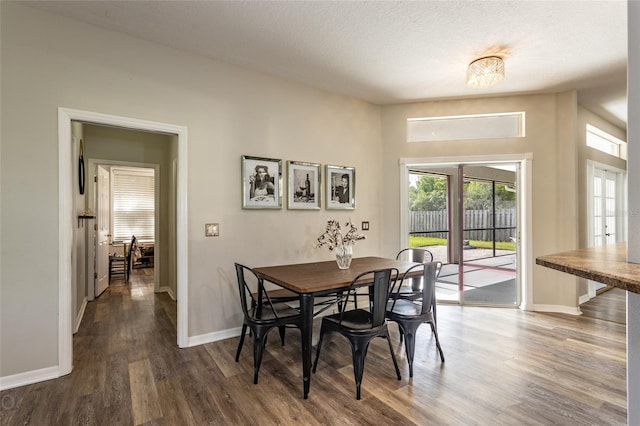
(365, 226)
(212, 229)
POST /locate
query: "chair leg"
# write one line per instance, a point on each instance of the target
(259, 342)
(241, 342)
(358, 352)
(434, 330)
(315, 363)
(281, 329)
(409, 330)
(393, 357)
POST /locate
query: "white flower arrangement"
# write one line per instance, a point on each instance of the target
(333, 235)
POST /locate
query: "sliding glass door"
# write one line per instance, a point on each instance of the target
(488, 246)
(467, 216)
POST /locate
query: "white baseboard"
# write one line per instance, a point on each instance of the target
(213, 337)
(80, 316)
(29, 377)
(527, 307)
(165, 289)
(583, 299)
(558, 309)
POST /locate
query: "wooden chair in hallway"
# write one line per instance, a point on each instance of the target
(120, 266)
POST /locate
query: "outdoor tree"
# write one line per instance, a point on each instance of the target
(430, 194)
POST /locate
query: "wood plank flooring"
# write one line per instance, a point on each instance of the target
(503, 367)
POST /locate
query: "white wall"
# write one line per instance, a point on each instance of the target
(50, 62)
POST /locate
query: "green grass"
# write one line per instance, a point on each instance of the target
(417, 241)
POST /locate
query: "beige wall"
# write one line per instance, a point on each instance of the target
(550, 124)
(50, 62)
(586, 153)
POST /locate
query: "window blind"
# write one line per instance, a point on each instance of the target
(133, 198)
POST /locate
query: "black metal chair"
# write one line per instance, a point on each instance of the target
(261, 314)
(360, 326)
(419, 255)
(410, 313)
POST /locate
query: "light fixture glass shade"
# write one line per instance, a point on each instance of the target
(485, 72)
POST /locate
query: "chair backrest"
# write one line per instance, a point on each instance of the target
(430, 273)
(132, 248)
(418, 255)
(253, 297)
(380, 284)
(415, 254)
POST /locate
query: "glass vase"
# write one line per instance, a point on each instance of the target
(344, 253)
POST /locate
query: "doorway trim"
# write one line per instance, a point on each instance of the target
(524, 179)
(66, 218)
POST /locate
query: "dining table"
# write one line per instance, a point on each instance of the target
(310, 280)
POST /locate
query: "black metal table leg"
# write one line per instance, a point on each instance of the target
(306, 312)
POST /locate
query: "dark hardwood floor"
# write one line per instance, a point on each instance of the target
(503, 367)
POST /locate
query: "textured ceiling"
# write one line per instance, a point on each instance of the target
(389, 52)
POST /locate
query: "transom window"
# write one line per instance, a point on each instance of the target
(603, 141)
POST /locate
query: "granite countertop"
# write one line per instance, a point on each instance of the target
(605, 264)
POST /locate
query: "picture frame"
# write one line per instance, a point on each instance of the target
(304, 185)
(337, 197)
(261, 183)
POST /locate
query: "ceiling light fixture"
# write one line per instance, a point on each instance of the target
(485, 72)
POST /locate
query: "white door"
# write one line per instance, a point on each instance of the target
(605, 207)
(103, 235)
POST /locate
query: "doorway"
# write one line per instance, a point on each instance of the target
(139, 215)
(605, 207)
(477, 226)
(67, 148)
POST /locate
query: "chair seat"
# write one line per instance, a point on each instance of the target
(354, 320)
(404, 308)
(276, 311)
(279, 295)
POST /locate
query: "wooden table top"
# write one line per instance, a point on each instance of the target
(322, 276)
(605, 264)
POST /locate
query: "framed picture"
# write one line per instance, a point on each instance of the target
(303, 185)
(341, 188)
(261, 183)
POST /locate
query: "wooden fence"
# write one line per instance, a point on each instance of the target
(426, 222)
